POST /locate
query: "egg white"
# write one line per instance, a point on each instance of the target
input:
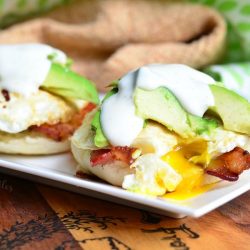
(19, 113)
(222, 141)
(154, 176)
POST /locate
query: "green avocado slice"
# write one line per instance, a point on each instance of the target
(100, 139)
(201, 125)
(66, 83)
(233, 109)
(162, 106)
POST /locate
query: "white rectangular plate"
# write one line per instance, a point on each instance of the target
(59, 171)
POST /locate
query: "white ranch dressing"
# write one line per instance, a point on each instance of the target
(24, 67)
(119, 121)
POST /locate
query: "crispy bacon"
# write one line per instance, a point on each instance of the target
(230, 165)
(104, 156)
(57, 132)
(101, 157)
(62, 131)
(6, 95)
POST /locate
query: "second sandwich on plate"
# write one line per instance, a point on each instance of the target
(42, 102)
(166, 129)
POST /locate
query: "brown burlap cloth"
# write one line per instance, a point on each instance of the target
(107, 38)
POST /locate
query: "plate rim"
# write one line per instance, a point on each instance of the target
(119, 193)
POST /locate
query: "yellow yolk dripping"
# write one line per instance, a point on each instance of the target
(192, 183)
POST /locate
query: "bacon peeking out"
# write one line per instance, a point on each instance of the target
(230, 165)
(101, 157)
(62, 131)
(6, 95)
(104, 156)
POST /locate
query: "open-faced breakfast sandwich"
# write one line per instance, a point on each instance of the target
(42, 101)
(166, 129)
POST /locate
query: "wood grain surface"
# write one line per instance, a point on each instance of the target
(35, 216)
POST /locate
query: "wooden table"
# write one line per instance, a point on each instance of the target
(37, 217)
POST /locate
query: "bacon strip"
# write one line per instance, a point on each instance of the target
(230, 165)
(62, 131)
(6, 95)
(104, 156)
(101, 157)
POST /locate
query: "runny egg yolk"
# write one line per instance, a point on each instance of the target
(184, 159)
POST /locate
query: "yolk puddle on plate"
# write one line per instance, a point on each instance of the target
(192, 183)
(183, 195)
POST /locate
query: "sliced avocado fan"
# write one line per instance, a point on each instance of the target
(162, 106)
(66, 83)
